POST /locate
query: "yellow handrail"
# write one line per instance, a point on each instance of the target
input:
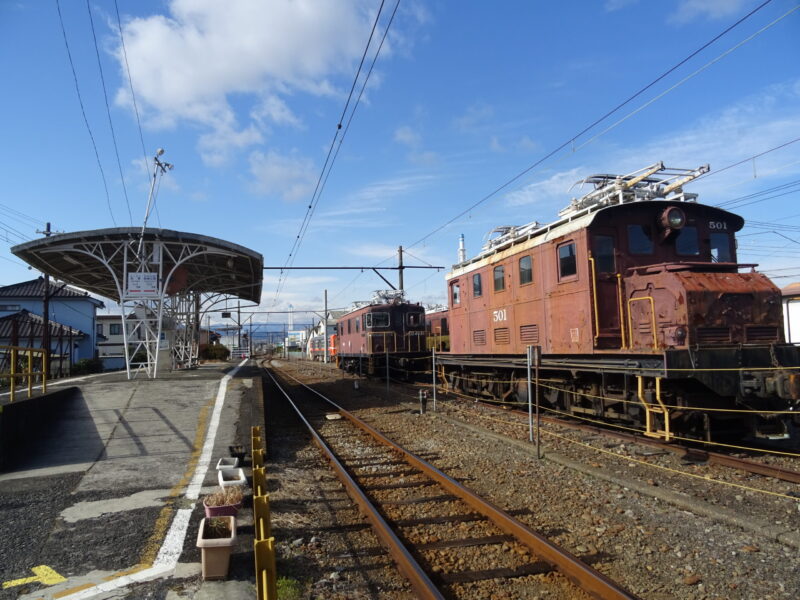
(596, 308)
(621, 312)
(652, 313)
(28, 373)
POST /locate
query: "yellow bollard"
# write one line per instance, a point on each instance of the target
(256, 443)
(266, 575)
(261, 517)
(258, 458)
(259, 481)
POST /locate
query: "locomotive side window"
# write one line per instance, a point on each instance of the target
(499, 278)
(686, 244)
(477, 287)
(721, 247)
(525, 270)
(567, 265)
(349, 325)
(455, 293)
(640, 239)
(445, 331)
(358, 322)
(379, 319)
(603, 251)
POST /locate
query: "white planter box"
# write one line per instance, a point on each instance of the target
(229, 477)
(227, 463)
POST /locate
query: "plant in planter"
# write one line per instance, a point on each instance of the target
(215, 538)
(231, 477)
(224, 502)
(237, 451)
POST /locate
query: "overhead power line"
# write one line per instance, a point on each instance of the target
(83, 112)
(108, 112)
(575, 137)
(331, 156)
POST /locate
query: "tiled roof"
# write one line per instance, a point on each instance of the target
(35, 289)
(31, 325)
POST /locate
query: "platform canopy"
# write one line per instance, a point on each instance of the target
(96, 261)
(161, 278)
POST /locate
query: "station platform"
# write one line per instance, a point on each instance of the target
(104, 501)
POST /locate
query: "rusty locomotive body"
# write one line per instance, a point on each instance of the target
(635, 299)
(386, 329)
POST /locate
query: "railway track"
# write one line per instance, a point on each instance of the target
(437, 531)
(688, 452)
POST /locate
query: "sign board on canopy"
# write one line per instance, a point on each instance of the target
(142, 284)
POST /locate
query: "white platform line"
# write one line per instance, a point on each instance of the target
(172, 546)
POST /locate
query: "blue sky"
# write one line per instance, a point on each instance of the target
(245, 98)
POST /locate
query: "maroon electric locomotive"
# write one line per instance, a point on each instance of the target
(636, 301)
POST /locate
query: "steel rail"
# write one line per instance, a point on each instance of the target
(725, 460)
(420, 582)
(584, 576)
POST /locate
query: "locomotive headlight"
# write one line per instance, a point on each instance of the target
(680, 334)
(673, 218)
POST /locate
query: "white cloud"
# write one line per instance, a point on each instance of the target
(215, 146)
(689, 10)
(188, 63)
(407, 136)
(475, 116)
(290, 177)
(526, 144)
(273, 109)
(495, 145)
(554, 189)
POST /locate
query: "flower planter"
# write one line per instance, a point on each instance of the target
(237, 451)
(216, 551)
(227, 463)
(228, 477)
(227, 510)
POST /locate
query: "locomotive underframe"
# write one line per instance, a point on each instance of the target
(633, 390)
(402, 365)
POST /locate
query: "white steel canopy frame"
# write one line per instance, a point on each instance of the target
(156, 276)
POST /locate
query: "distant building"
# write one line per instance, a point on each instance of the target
(111, 341)
(71, 312)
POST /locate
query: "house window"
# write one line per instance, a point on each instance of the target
(455, 294)
(499, 278)
(99, 329)
(12, 307)
(477, 288)
(115, 329)
(525, 270)
(567, 265)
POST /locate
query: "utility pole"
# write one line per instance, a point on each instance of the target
(46, 314)
(239, 324)
(325, 329)
(400, 268)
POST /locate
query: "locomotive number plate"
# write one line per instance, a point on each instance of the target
(718, 225)
(500, 315)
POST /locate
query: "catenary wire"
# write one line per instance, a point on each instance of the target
(572, 139)
(317, 190)
(108, 112)
(83, 112)
(133, 94)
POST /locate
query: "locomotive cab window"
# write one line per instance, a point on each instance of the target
(603, 253)
(477, 286)
(721, 247)
(525, 270)
(455, 294)
(567, 264)
(640, 239)
(499, 278)
(686, 243)
(414, 319)
(377, 319)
